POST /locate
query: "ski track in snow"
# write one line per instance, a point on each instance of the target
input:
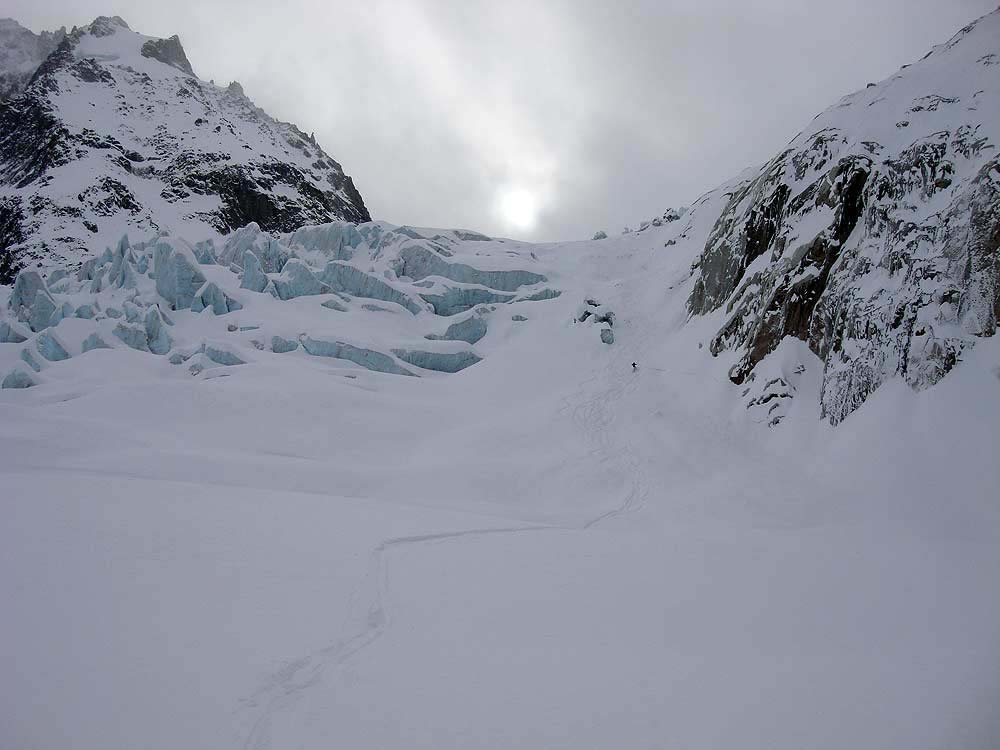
(370, 613)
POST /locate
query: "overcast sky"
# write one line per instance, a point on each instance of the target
(543, 119)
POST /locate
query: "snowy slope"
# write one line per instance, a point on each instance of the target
(541, 550)
(364, 485)
(115, 134)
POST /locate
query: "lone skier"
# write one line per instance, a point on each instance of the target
(635, 367)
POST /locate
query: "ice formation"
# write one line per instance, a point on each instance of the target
(367, 358)
(440, 361)
(177, 276)
(470, 330)
(152, 295)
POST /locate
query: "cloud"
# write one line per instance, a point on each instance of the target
(540, 120)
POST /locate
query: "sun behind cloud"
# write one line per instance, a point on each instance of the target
(518, 208)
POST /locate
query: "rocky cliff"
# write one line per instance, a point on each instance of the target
(873, 237)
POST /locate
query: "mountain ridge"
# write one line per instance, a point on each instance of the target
(21, 52)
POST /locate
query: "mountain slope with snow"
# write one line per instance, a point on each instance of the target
(21, 52)
(874, 236)
(115, 134)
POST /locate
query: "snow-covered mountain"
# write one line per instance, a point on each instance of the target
(114, 133)
(873, 237)
(355, 484)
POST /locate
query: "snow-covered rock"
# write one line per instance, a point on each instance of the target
(593, 312)
(873, 236)
(667, 217)
(21, 52)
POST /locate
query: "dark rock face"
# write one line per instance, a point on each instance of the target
(32, 139)
(768, 306)
(248, 195)
(168, 51)
(11, 234)
(878, 250)
(222, 162)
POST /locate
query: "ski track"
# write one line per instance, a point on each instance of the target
(370, 616)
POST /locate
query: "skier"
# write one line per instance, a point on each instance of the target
(635, 367)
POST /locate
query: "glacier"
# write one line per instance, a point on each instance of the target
(442, 511)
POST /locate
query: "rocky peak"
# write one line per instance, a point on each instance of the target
(168, 51)
(114, 133)
(106, 26)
